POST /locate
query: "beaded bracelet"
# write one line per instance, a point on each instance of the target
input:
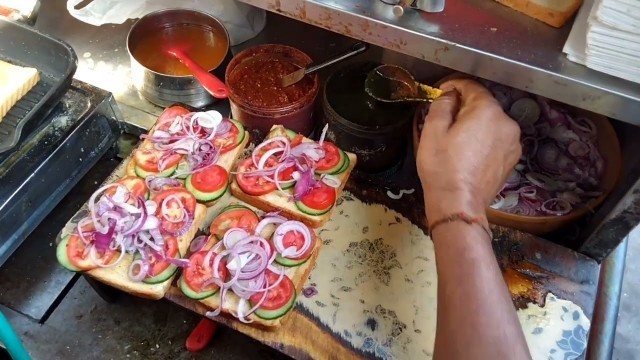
(461, 216)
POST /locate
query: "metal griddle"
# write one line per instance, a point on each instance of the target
(56, 62)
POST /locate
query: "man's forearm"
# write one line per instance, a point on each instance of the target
(474, 317)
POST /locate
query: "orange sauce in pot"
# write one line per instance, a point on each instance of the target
(206, 47)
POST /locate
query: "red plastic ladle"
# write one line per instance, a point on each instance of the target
(209, 81)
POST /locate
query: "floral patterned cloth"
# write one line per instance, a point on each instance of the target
(376, 290)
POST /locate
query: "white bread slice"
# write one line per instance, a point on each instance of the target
(553, 12)
(15, 82)
(277, 201)
(117, 276)
(298, 276)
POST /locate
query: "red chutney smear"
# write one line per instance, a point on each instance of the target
(259, 84)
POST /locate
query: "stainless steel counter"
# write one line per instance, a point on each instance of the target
(478, 37)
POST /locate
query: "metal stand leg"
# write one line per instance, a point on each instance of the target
(107, 293)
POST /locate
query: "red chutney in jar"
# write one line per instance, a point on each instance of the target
(259, 83)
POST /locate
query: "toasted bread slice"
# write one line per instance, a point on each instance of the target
(15, 83)
(298, 276)
(117, 276)
(278, 201)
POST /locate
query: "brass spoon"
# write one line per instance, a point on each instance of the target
(391, 83)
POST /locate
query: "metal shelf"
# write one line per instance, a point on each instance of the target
(478, 37)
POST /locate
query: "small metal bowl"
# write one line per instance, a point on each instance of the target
(165, 89)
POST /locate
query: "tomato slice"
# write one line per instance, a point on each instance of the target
(277, 297)
(76, 253)
(295, 238)
(297, 140)
(168, 115)
(196, 274)
(135, 185)
(287, 174)
(228, 141)
(211, 179)
(235, 218)
(320, 198)
(252, 185)
(185, 197)
(146, 157)
(170, 250)
(331, 157)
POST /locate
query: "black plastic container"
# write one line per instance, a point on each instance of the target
(378, 133)
(56, 63)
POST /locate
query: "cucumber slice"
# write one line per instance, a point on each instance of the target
(288, 186)
(310, 211)
(63, 258)
(166, 173)
(290, 262)
(277, 313)
(163, 276)
(182, 169)
(189, 292)
(235, 206)
(290, 134)
(204, 197)
(339, 166)
(345, 165)
(242, 133)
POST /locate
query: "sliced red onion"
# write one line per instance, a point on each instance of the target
(283, 144)
(164, 209)
(267, 220)
(331, 180)
(163, 160)
(311, 150)
(265, 157)
(510, 200)
(497, 202)
(523, 208)
(305, 184)
(578, 149)
(232, 236)
(156, 184)
(584, 125)
(138, 270)
(528, 191)
(525, 111)
(141, 220)
(513, 180)
(553, 116)
(177, 261)
(291, 252)
(556, 207)
(198, 243)
(324, 133)
(188, 220)
(102, 240)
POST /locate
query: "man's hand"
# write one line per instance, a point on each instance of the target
(467, 149)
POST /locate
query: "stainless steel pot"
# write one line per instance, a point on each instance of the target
(162, 89)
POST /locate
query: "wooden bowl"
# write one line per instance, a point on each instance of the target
(609, 147)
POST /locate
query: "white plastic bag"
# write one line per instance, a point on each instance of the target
(242, 21)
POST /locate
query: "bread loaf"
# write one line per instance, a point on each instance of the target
(15, 82)
(553, 12)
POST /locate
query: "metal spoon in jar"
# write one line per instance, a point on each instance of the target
(391, 83)
(297, 75)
